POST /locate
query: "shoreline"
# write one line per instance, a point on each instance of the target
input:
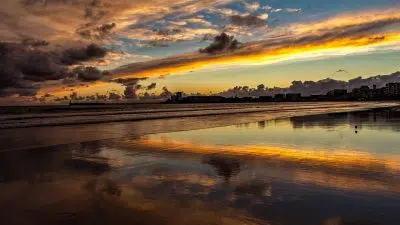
(87, 118)
(45, 136)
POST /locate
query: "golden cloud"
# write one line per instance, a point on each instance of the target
(344, 33)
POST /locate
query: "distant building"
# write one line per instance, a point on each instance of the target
(392, 89)
(265, 98)
(364, 88)
(280, 97)
(247, 99)
(293, 97)
(203, 99)
(177, 97)
(377, 93)
(318, 97)
(337, 94)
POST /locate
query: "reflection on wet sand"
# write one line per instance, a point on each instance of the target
(102, 201)
(191, 178)
(78, 194)
(341, 170)
(374, 119)
(226, 167)
(345, 160)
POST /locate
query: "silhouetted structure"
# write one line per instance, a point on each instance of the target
(176, 98)
(280, 97)
(337, 94)
(265, 98)
(203, 99)
(390, 91)
(362, 93)
(293, 97)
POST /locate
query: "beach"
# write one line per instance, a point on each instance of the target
(286, 163)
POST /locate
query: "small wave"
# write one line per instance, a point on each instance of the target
(107, 117)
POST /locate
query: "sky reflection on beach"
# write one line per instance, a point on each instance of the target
(302, 170)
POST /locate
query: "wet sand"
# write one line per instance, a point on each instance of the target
(330, 169)
(30, 130)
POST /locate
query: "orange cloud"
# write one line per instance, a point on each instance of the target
(339, 35)
(265, 56)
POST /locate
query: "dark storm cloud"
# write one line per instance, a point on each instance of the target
(165, 93)
(74, 56)
(106, 28)
(95, 97)
(24, 69)
(221, 43)
(20, 67)
(151, 86)
(247, 21)
(85, 33)
(41, 66)
(128, 81)
(89, 73)
(132, 86)
(130, 91)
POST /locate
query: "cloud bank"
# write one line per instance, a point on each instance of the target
(24, 69)
(307, 88)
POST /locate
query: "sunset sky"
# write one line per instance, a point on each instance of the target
(43, 41)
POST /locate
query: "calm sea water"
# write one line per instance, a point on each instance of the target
(329, 169)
